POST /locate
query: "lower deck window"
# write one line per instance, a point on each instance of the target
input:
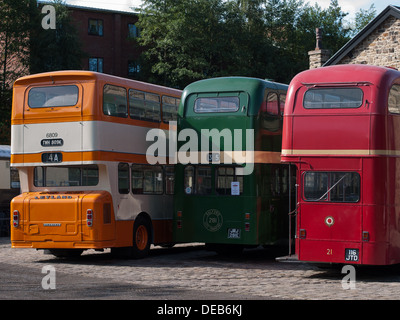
(199, 180)
(332, 186)
(225, 178)
(66, 176)
(147, 179)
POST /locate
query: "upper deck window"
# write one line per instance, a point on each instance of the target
(115, 101)
(170, 108)
(333, 98)
(216, 104)
(53, 96)
(144, 105)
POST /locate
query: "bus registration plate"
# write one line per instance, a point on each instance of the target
(233, 233)
(351, 255)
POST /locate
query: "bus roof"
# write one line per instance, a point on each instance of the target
(349, 73)
(231, 84)
(82, 75)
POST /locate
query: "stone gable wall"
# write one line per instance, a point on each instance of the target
(380, 48)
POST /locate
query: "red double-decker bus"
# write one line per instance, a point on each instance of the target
(342, 132)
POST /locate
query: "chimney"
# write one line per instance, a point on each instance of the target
(318, 56)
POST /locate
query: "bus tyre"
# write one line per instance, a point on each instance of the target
(141, 238)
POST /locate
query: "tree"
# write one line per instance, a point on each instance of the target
(184, 40)
(14, 54)
(54, 49)
(25, 47)
(195, 39)
(363, 17)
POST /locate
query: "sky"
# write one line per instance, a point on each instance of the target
(349, 6)
(353, 6)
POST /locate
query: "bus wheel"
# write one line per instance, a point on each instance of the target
(141, 238)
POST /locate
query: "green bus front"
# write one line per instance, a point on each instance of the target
(233, 190)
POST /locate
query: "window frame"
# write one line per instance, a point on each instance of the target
(122, 189)
(163, 103)
(235, 178)
(44, 175)
(134, 32)
(109, 105)
(194, 188)
(98, 68)
(330, 107)
(331, 184)
(145, 94)
(49, 88)
(218, 99)
(145, 168)
(99, 31)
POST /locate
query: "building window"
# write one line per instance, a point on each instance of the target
(133, 31)
(95, 27)
(96, 64)
(133, 68)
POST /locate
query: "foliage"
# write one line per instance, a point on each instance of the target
(363, 17)
(14, 52)
(25, 47)
(195, 39)
(54, 49)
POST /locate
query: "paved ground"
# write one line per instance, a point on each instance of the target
(185, 272)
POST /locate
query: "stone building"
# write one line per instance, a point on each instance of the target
(377, 44)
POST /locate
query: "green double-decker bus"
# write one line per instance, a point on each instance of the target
(231, 188)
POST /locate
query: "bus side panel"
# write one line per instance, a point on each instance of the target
(124, 230)
(394, 208)
(103, 228)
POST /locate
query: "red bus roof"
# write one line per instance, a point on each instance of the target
(347, 73)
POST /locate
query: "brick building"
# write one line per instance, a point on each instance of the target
(108, 37)
(377, 44)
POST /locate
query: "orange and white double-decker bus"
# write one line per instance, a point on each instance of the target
(78, 139)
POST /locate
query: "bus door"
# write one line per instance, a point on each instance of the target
(329, 216)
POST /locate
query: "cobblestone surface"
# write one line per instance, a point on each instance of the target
(253, 275)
